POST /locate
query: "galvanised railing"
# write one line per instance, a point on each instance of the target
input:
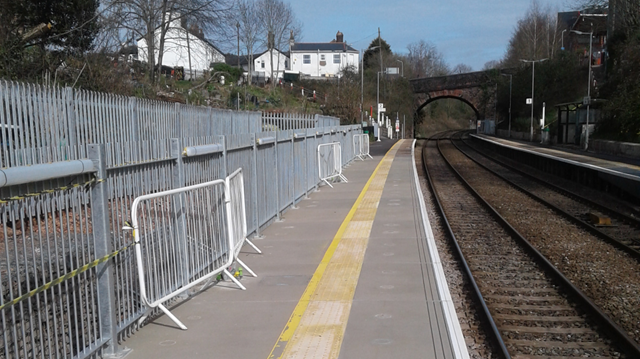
(68, 278)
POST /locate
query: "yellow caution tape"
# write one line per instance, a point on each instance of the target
(47, 191)
(69, 275)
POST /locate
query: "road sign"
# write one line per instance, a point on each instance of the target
(393, 70)
(397, 125)
(586, 100)
(381, 108)
(529, 101)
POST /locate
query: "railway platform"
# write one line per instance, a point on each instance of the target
(351, 273)
(609, 173)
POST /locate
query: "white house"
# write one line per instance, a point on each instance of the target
(321, 60)
(262, 64)
(183, 47)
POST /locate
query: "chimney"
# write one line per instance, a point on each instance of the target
(339, 37)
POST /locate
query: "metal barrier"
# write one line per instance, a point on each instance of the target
(183, 238)
(330, 162)
(69, 284)
(361, 146)
(238, 217)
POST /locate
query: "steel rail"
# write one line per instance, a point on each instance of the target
(497, 337)
(614, 331)
(581, 223)
(625, 217)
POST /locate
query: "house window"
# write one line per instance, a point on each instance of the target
(262, 64)
(306, 59)
(322, 58)
(336, 58)
(286, 64)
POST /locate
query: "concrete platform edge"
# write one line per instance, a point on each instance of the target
(459, 345)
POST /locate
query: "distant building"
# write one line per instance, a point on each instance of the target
(183, 47)
(586, 22)
(262, 64)
(323, 60)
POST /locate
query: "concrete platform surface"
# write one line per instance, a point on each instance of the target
(349, 264)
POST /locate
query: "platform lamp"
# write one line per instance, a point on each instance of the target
(587, 100)
(510, 87)
(533, 78)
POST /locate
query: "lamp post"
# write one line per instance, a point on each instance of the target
(588, 99)
(238, 28)
(362, 83)
(510, 87)
(533, 78)
(402, 64)
(378, 102)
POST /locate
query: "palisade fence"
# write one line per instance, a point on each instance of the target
(74, 161)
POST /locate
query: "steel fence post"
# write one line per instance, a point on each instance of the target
(306, 163)
(254, 184)
(103, 246)
(225, 158)
(71, 116)
(135, 135)
(293, 169)
(275, 146)
(178, 181)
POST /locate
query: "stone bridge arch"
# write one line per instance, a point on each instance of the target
(477, 89)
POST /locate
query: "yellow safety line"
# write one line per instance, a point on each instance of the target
(284, 342)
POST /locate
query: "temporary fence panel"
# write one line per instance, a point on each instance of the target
(238, 217)
(183, 238)
(361, 146)
(330, 162)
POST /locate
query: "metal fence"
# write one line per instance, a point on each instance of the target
(68, 274)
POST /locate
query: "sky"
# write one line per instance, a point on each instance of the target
(464, 31)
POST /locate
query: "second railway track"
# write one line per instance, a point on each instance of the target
(534, 311)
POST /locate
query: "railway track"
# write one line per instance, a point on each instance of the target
(611, 223)
(533, 310)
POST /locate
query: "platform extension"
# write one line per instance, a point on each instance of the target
(602, 171)
(349, 274)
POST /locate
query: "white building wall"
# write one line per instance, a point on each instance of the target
(265, 59)
(176, 51)
(316, 69)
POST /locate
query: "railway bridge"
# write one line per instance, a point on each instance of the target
(476, 89)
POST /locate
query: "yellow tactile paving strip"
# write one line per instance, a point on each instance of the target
(317, 325)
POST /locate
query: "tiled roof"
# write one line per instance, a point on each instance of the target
(322, 46)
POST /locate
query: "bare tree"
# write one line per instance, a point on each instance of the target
(535, 37)
(462, 69)
(278, 21)
(493, 64)
(142, 19)
(250, 28)
(425, 60)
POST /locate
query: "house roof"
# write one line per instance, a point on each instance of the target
(198, 36)
(232, 60)
(567, 19)
(322, 46)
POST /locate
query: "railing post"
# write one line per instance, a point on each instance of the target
(275, 146)
(293, 169)
(178, 180)
(225, 158)
(71, 116)
(135, 133)
(254, 184)
(103, 246)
